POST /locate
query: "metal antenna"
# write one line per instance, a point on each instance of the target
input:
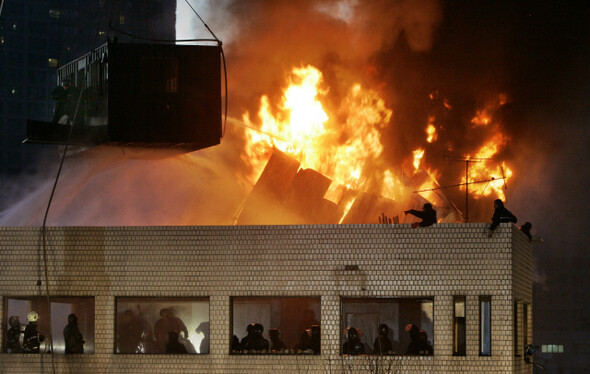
(466, 160)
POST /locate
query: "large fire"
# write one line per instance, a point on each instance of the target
(302, 128)
(344, 144)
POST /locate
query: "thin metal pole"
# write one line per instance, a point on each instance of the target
(466, 191)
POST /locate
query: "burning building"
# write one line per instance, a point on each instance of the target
(294, 223)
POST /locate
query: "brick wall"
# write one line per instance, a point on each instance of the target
(220, 262)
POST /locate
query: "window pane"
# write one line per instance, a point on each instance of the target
(525, 324)
(485, 326)
(459, 346)
(387, 326)
(72, 325)
(285, 325)
(162, 325)
(517, 331)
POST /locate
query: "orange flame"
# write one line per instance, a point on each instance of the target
(431, 130)
(482, 171)
(303, 129)
(483, 117)
(418, 154)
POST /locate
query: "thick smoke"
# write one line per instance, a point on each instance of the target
(266, 39)
(116, 186)
(422, 67)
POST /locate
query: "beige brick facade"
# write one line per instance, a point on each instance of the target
(219, 262)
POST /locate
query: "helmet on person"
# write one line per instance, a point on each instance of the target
(32, 316)
(14, 321)
(383, 329)
(258, 328)
(352, 333)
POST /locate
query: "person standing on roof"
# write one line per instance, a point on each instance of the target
(428, 216)
(501, 214)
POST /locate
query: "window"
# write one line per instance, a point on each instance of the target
(517, 331)
(54, 13)
(525, 324)
(552, 348)
(485, 325)
(71, 327)
(275, 325)
(162, 325)
(459, 345)
(387, 326)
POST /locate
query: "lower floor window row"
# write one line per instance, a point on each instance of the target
(259, 325)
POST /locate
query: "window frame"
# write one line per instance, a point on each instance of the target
(457, 351)
(54, 330)
(267, 328)
(147, 299)
(482, 332)
(430, 299)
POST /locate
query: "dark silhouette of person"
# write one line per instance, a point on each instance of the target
(72, 336)
(204, 329)
(414, 346)
(129, 331)
(308, 319)
(425, 347)
(419, 344)
(13, 345)
(501, 214)
(32, 339)
(254, 341)
(276, 344)
(66, 100)
(235, 344)
(146, 341)
(315, 340)
(173, 345)
(60, 95)
(353, 344)
(526, 229)
(303, 344)
(167, 322)
(248, 337)
(257, 342)
(428, 216)
(382, 344)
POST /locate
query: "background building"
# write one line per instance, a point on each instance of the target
(37, 36)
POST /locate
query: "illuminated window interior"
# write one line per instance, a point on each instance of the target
(387, 326)
(279, 325)
(162, 325)
(61, 309)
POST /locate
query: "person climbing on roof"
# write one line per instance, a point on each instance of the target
(428, 216)
(501, 214)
